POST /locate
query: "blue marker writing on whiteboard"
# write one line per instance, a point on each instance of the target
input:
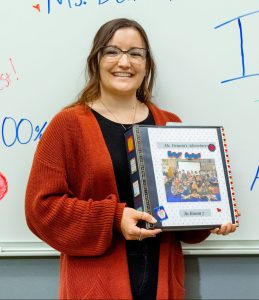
(21, 132)
(256, 177)
(78, 3)
(244, 73)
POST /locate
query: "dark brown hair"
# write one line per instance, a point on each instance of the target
(92, 90)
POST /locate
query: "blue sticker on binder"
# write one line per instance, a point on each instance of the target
(160, 213)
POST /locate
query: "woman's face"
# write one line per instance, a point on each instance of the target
(122, 74)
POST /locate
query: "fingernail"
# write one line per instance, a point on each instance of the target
(154, 220)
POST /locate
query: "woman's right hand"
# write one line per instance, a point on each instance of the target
(129, 228)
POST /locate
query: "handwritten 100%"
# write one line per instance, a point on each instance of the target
(22, 132)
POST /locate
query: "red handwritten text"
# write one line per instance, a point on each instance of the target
(5, 77)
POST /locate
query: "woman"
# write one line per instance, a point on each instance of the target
(79, 198)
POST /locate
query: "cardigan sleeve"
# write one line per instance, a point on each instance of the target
(79, 227)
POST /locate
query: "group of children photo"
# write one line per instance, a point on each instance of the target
(190, 180)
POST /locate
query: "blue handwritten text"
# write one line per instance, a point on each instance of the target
(21, 132)
(256, 178)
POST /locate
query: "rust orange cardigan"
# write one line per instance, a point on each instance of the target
(72, 204)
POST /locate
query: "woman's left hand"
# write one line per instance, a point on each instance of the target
(226, 228)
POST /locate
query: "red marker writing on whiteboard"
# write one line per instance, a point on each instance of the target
(6, 78)
(3, 186)
(37, 6)
(11, 62)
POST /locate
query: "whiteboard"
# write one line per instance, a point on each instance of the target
(208, 73)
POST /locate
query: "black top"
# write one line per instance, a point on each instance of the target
(113, 134)
(142, 255)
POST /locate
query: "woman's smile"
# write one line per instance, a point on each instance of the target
(122, 74)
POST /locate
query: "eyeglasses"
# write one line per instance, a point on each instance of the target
(135, 55)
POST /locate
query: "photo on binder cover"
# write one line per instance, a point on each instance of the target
(190, 180)
(183, 175)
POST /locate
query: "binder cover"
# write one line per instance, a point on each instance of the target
(181, 176)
